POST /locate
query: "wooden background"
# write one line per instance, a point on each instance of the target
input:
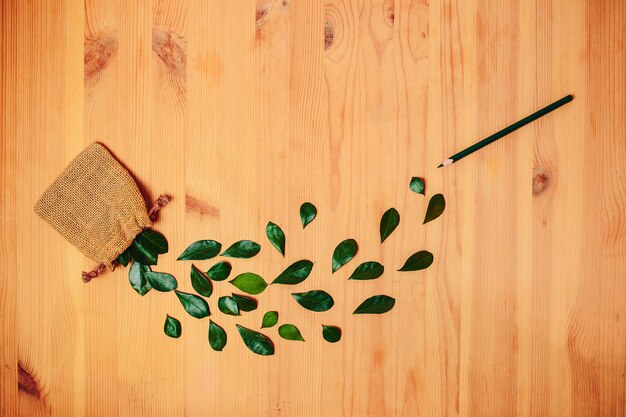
(241, 111)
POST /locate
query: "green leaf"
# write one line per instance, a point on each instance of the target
(256, 342)
(153, 241)
(242, 249)
(377, 304)
(196, 306)
(436, 206)
(295, 273)
(137, 278)
(124, 257)
(142, 254)
(220, 271)
(307, 213)
(332, 334)
(200, 282)
(290, 332)
(367, 270)
(217, 336)
(228, 305)
(249, 283)
(172, 327)
(417, 185)
(245, 303)
(343, 253)
(161, 281)
(388, 223)
(270, 319)
(201, 250)
(314, 300)
(276, 237)
(420, 260)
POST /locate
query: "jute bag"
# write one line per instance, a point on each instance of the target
(96, 205)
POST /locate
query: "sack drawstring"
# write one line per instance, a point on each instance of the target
(160, 202)
(88, 276)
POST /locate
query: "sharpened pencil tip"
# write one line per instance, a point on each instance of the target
(440, 165)
(445, 163)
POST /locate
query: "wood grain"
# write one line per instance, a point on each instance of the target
(241, 111)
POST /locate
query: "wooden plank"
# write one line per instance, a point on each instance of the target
(596, 342)
(9, 368)
(45, 326)
(102, 122)
(243, 110)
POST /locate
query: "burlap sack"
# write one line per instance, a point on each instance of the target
(96, 205)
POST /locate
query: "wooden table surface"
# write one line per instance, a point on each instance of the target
(241, 111)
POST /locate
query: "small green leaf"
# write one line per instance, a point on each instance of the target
(201, 250)
(367, 270)
(217, 336)
(137, 278)
(417, 185)
(332, 334)
(270, 319)
(228, 305)
(245, 303)
(343, 253)
(377, 304)
(172, 327)
(220, 271)
(420, 260)
(142, 255)
(436, 206)
(200, 282)
(295, 273)
(161, 281)
(196, 306)
(242, 249)
(153, 241)
(249, 283)
(124, 257)
(276, 237)
(256, 342)
(290, 332)
(307, 213)
(314, 300)
(388, 223)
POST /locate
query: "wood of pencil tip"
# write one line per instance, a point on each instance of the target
(509, 129)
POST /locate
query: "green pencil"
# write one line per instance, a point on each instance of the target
(506, 131)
